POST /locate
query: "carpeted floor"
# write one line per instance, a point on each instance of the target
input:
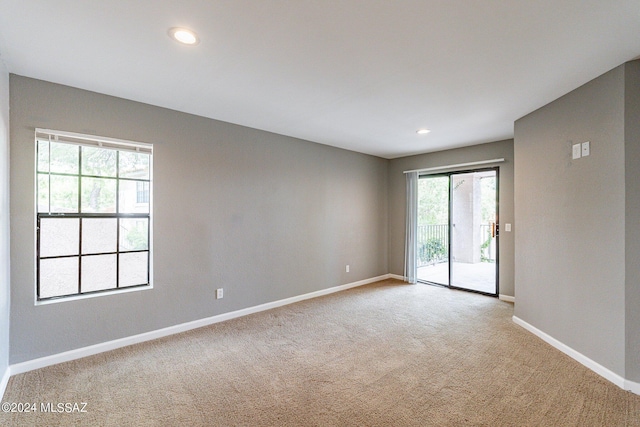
(386, 354)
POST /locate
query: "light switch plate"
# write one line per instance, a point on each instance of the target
(507, 227)
(585, 149)
(577, 150)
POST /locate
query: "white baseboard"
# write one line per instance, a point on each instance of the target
(507, 298)
(4, 381)
(589, 363)
(397, 277)
(66, 356)
(632, 386)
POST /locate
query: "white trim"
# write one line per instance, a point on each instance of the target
(606, 373)
(633, 387)
(66, 356)
(459, 165)
(397, 277)
(92, 295)
(80, 138)
(4, 381)
(507, 298)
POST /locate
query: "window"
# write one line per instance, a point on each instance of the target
(93, 214)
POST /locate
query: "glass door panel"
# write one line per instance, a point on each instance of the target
(433, 229)
(473, 254)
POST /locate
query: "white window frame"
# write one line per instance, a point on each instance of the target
(85, 140)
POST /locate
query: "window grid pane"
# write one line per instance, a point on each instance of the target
(134, 165)
(63, 193)
(134, 234)
(58, 277)
(99, 235)
(59, 237)
(63, 158)
(134, 268)
(98, 195)
(43, 192)
(43, 156)
(99, 162)
(133, 196)
(102, 241)
(99, 273)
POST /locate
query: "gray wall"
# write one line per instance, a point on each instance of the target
(632, 214)
(4, 219)
(570, 264)
(397, 201)
(264, 216)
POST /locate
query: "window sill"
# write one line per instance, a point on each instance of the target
(93, 295)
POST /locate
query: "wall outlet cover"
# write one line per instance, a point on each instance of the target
(577, 151)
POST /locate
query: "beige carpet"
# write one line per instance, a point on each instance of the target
(386, 354)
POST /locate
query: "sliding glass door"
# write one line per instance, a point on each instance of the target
(458, 230)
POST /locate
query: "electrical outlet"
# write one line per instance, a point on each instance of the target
(219, 293)
(585, 149)
(347, 268)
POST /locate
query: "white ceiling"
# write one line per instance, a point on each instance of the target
(358, 74)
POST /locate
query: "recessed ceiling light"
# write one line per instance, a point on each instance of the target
(184, 36)
(422, 131)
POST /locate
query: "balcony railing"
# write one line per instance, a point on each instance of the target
(433, 244)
